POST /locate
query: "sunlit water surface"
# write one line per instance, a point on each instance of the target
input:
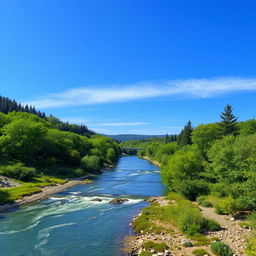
(70, 224)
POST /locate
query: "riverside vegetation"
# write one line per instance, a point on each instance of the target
(36, 152)
(211, 164)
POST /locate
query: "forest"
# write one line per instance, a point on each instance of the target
(36, 153)
(212, 164)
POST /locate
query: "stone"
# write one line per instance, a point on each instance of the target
(118, 200)
(186, 242)
(96, 200)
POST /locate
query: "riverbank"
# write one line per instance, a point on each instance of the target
(44, 193)
(157, 236)
(152, 161)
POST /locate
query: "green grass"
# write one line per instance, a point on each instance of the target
(214, 200)
(200, 252)
(180, 213)
(158, 247)
(9, 195)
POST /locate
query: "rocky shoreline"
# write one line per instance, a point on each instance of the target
(232, 233)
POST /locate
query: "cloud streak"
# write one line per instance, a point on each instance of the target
(196, 88)
(125, 124)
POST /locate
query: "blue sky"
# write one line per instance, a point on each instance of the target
(137, 66)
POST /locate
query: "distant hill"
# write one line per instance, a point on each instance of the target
(126, 137)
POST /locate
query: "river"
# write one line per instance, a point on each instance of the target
(70, 224)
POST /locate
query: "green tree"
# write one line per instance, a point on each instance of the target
(248, 127)
(23, 139)
(90, 163)
(185, 164)
(204, 135)
(228, 124)
(185, 135)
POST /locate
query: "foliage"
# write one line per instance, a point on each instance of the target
(199, 252)
(158, 247)
(185, 135)
(248, 127)
(228, 124)
(227, 206)
(145, 253)
(221, 249)
(203, 202)
(185, 164)
(18, 171)
(90, 163)
(23, 139)
(191, 189)
(251, 247)
(204, 136)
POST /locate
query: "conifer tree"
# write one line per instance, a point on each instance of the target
(185, 135)
(228, 124)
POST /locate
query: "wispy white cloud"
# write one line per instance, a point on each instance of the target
(198, 88)
(124, 124)
(75, 120)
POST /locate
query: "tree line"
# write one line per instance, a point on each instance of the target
(7, 105)
(212, 160)
(27, 140)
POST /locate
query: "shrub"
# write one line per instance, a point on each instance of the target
(191, 222)
(206, 204)
(145, 253)
(246, 202)
(227, 206)
(159, 247)
(19, 172)
(90, 163)
(191, 189)
(210, 225)
(252, 219)
(251, 247)
(201, 201)
(199, 252)
(221, 249)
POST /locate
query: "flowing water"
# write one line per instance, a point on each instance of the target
(70, 224)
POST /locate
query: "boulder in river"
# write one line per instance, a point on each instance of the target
(118, 200)
(96, 200)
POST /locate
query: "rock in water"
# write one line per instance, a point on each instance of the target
(118, 200)
(96, 200)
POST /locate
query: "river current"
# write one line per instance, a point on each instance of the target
(70, 224)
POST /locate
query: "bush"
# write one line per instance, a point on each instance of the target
(251, 247)
(199, 252)
(191, 189)
(227, 206)
(202, 201)
(90, 163)
(19, 172)
(221, 249)
(145, 253)
(210, 225)
(159, 247)
(206, 204)
(191, 222)
(252, 219)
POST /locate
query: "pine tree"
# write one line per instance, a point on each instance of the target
(185, 136)
(228, 124)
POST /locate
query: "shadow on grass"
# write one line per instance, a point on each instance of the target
(5, 198)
